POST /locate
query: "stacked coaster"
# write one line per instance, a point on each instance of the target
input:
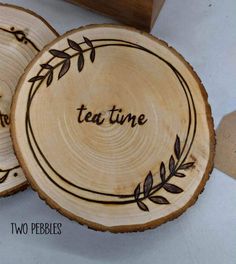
(22, 35)
(112, 128)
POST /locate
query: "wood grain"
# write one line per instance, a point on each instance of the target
(226, 145)
(22, 35)
(114, 130)
(137, 13)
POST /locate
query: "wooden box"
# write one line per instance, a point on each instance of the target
(138, 13)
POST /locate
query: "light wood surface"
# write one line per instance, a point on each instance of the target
(22, 35)
(137, 13)
(113, 129)
(226, 145)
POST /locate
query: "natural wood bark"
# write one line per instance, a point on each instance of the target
(22, 35)
(114, 129)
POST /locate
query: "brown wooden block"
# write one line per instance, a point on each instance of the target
(112, 127)
(138, 13)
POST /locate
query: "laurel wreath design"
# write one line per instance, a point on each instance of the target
(143, 191)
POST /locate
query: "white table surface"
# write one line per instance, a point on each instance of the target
(204, 32)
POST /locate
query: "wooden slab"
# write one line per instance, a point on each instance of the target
(226, 145)
(22, 34)
(137, 13)
(113, 129)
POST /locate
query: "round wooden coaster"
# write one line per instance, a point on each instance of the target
(113, 129)
(22, 35)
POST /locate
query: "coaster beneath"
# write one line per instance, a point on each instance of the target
(113, 129)
(22, 35)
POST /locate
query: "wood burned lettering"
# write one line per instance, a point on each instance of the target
(116, 116)
(4, 120)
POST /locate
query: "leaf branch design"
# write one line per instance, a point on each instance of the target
(65, 63)
(174, 171)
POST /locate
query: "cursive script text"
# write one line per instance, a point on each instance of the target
(115, 117)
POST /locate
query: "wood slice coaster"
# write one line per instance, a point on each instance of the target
(22, 35)
(113, 129)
